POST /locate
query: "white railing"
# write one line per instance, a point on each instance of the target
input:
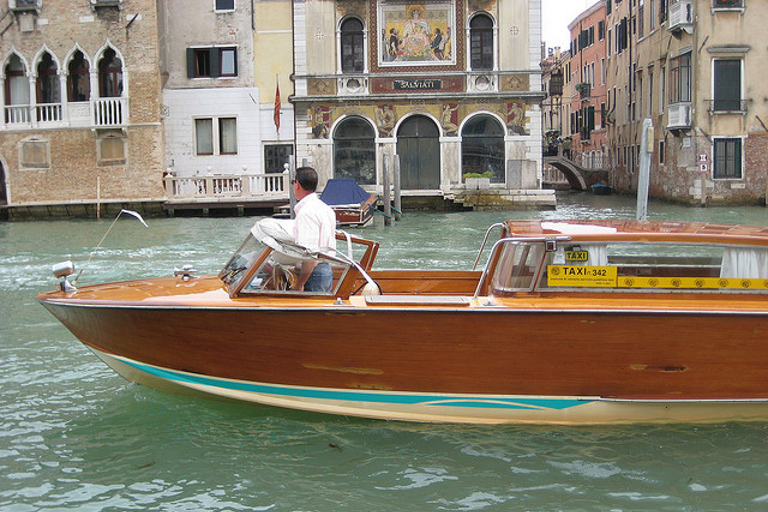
(48, 112)
(97, 113)
(590, 159)
(110, 111)
(212, 186)
(17, 114)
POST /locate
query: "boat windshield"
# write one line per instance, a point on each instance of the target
(259, 268)
(235, 269)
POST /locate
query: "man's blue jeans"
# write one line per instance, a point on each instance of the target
(321, 279)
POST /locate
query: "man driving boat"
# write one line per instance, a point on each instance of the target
(315, 229)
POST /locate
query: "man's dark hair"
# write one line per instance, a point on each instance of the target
(307, 178)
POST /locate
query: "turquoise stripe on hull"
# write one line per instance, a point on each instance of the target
(467, 401)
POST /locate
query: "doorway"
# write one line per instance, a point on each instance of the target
(418, 146)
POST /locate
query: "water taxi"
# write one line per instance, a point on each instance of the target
(559, 322)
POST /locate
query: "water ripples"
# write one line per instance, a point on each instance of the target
(75, 436)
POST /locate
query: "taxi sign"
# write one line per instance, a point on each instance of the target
(581, 276)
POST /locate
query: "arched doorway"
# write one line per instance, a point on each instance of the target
(482, 147)
(418, 146)
(354, 151)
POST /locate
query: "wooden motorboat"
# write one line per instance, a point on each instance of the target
(354, 206)
(566, 322)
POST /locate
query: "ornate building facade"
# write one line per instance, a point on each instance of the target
(445, 87)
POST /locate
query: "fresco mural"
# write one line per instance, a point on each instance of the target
(416, 34)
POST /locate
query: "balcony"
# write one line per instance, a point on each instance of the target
(679, 116)
(109, 112)
(728, 5)
(98, 113)
(25, 5)
(727, 106)
(223, 186)
(681, 16)
(585, 90)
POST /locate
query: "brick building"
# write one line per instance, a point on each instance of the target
(81, 106)
(588, 102)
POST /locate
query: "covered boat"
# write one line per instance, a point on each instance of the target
(568, 322)
(352, 204)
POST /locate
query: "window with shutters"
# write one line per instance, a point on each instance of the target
(728, 158)
(727, 85)
(215, 62)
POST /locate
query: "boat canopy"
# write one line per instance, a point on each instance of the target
(343, 191)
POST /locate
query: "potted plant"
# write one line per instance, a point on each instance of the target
(477, 181)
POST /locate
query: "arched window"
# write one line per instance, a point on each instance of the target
(16, 83)
(78, 80)
(110, 75)
(481, 43)
(16, 91)
(354, 151)
(352, 46)
(48, 90)
(482, 147)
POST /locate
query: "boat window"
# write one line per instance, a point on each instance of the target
(517, 267)
(275, 275)
(244, 257)
(645, 266)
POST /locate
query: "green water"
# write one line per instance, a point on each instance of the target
(74, 436)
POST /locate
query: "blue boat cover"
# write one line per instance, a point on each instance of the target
(343, 191)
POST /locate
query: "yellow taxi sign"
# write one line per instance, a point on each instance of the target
(576, 256)
(581, 276)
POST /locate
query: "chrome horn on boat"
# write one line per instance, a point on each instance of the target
(64, 270)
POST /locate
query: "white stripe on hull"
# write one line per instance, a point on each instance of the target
(440, 407)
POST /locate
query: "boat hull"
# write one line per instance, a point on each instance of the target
(527, 364)
(436, 407)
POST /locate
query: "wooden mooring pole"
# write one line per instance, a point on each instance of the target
(387, 193)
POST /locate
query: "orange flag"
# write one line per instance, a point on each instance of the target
(277, 105)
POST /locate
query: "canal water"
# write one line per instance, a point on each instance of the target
(74, 436)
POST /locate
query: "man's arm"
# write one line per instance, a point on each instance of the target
(307, 266)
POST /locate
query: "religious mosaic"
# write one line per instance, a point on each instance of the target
(417, 34)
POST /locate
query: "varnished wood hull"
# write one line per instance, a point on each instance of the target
(528, 360)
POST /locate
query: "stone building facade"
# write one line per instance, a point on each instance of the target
(81, 105)
(450, 87)
(696, 69)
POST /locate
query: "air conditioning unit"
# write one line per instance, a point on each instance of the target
(25, 5)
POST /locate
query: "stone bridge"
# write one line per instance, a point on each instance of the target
(578, 177)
